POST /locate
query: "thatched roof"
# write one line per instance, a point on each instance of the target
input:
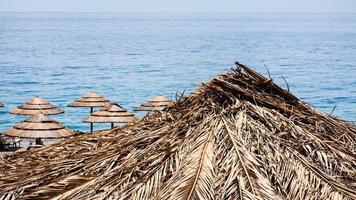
(39, 126)
(239, 136)
(35, 105)
(90, 99)
(156, 103)
(112, 113)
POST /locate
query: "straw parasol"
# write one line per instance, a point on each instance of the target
(38, 127)
(112, 113)
(156, 103)
(34, 105)
(90, 99)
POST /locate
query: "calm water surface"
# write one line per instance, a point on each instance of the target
(130, 57)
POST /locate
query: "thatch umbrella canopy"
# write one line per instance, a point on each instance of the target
(39, 126)
(112, 113)
(156, 103)
(35, 105)
(239, 137)
(90, 99)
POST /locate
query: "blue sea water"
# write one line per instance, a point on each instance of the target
(130, 57)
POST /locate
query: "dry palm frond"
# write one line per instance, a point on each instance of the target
(240, 136)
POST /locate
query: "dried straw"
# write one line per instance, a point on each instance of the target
(90, 99)
(35, 105)
(156, 103)
(39, 126)
(112, 113)
(240, 136)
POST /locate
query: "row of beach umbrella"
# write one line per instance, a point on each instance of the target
(39, 126)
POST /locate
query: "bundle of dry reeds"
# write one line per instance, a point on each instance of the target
(239, 136)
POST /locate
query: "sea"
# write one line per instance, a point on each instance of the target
(129, 57)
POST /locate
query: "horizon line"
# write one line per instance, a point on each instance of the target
(190, 12)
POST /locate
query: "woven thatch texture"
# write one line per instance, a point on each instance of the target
(112, 113)
(35, 105)
(39, 126)
(156, 103)
(90, 99)
(239, 136)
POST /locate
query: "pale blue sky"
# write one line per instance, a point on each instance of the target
(179, 5)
